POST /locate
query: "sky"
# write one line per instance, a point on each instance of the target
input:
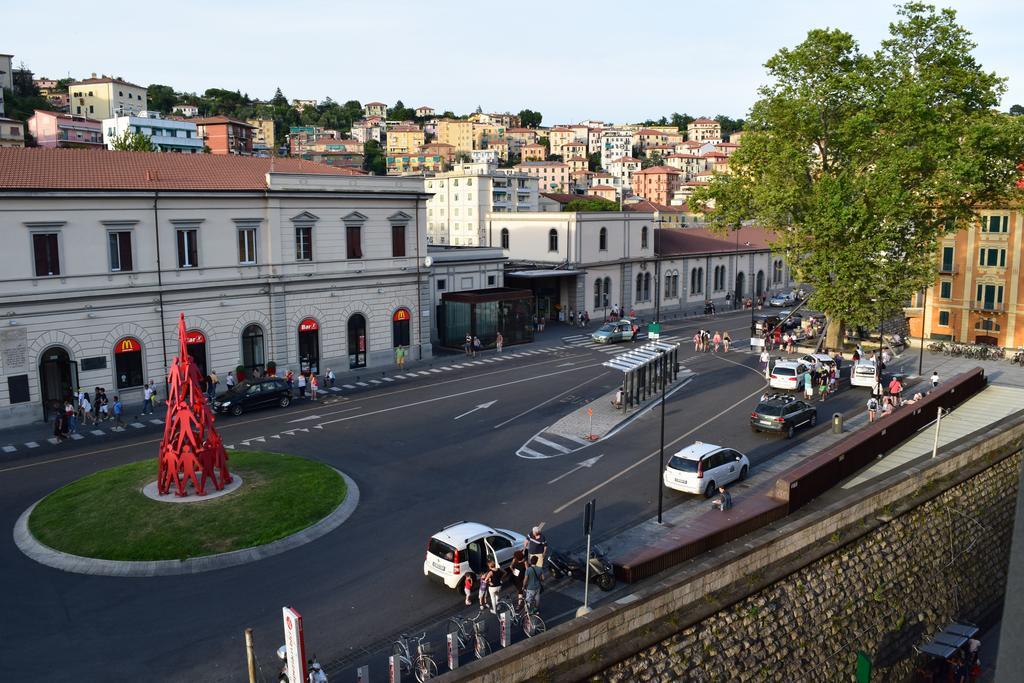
(594, 59)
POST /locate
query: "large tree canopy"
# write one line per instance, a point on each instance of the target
(860, 163)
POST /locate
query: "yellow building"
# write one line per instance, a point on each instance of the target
(262, 133)
(458, 134)
(106, 98)
(559, 137)
(486, 133)
(404, 139)
(500, 146)
(533, 152)
(414, 164)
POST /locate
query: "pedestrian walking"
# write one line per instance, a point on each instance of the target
(60, 422)
(896, 390)
(229, 379)
(332, 378)
(482, 585)
(726, 341)
(69, 411)
(289, 377)
(118, 412)
(302, 384)
(517, 571)
(499, 341)
(533, 585)
(586, 319)
(314, 384)
(104, 404)
(214, 381)
(935, 378)
(808, 385)
(822, 386)
(85, 406)
(872, 409)
(696, 341)
(765, 360)
(717, 340)
(636, 329)
(400, 357)
(477, 345)
(468, 345)
(147, 401)
(536, 545)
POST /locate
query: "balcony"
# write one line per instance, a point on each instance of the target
(948, 269)
(988, 306)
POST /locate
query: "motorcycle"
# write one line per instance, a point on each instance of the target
(601, 570)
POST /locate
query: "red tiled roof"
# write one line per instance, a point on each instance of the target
(669, 241)
(659, 170)
(375, 104)
(703, 120)
(561, 197)
(86, 169)
(717, 155)
(602, 187)
(623, 160)
(648, 206)
(94, 81)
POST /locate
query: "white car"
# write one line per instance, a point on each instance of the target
(702, 467)
(815, 360)
(863, 374)
(782, 299)
(465, 547)
(786, 374)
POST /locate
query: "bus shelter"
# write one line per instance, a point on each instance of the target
(645, 371)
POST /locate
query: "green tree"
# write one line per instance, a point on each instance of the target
(161, 98)
(132, 142)
(374, 159)
(591, 204)
(400, 112)
(594, 161)
(860, 163)
(681, 121)
(279, 100)
(728, 125)
(529, 118)
(1017, 110)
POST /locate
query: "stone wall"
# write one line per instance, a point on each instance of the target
(882, 592)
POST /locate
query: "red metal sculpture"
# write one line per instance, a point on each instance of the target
(191, 444)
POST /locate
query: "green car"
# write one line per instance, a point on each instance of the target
(621, 330)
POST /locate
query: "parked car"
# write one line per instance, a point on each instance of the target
(782, 299)
(863, 374)
(702, 467)
(786, 374)
(252, 394)
(465, 547)
(610, 332)
(816, 360)
(784, 414)
(763, 322)
(790, 320)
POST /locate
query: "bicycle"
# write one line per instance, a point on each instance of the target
(423, 665)
(520, 613)
(477, 634)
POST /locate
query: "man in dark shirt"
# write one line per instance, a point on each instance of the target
(536, 545)
(724, 500)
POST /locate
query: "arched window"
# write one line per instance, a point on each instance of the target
(693, 281)
(357, 341)
(777, 271)
(597, 293)
(607, 291)
(252, 348)
(504, 238)
(675, 285)
(668, 286)
(552, 240)
(400, 327)
(647, 287)
(643, 237)
(639, 294)
(602, 239)
(760, 282)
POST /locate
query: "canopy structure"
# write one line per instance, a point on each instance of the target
(645, 371)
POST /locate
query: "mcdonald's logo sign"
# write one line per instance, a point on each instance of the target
(400, 315)
(127, 345)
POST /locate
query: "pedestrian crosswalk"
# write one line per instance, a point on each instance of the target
(584, 341)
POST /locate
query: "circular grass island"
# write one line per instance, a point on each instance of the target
(106, 516)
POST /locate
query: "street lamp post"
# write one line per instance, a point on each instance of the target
(661, 459)
(924, 312)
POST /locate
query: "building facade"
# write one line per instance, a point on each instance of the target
(305, 265)
(104, 98)
(553, 176)
(704, 130)
(166, 135)
(375, 109)
(53, 129)
(225, 135)
(404, 139)
(463, 197)
(977, 294)
(615, 144)
(657, 183)
(533, 152)
(263, 136)
(12, 133)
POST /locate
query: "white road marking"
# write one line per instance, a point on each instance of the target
(654, 453)
(435, 371)
(482, 406)
(335, 389)
(349, 386)
(502, 424)
(375, 381)
(551, 444)
(446, 367)
(362, 384)
(31, 444)
(388, 379)
(525, 452)
(589, 462)
(138, 425)
(98, 432)
(11, 449)
(156, 422)
(54, 440)
(76, 437)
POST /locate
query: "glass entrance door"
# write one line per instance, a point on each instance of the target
(357, 341)
(58, 380)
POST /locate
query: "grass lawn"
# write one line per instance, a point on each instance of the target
(105, 515)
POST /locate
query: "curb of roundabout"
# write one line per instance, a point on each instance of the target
(77, 564)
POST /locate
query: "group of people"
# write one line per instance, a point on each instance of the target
(704, 340)
(618, 313)
(525, 573)
(88, 410)
(473, 346)
(824, 378)
(581, 319)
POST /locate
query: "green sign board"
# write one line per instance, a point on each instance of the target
(654, 331)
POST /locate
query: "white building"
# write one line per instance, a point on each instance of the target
(595, 261)
(167, 135)
(615, 144)
(484, 156)
(622, 170)
(282, 260)
(186, 110)
(464, 196)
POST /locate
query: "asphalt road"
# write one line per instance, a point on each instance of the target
(418, 469)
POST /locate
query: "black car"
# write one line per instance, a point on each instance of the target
(763, 323)
(782, 413)
(255, 393)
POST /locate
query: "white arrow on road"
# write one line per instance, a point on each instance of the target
(479, 407)
(589, 462)
(303, 419)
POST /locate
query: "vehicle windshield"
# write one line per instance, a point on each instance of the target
(682, 464)
(788, 372)
(607, 327)
(768, 409)
(241, 387)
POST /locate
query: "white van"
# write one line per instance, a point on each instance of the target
(787, 374)
(703, 467)
(863, 374)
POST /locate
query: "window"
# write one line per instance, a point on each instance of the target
(777, 271)
(188, 248)
(668, 286)
(128, 363)
(643, 237)
(397, 240)
(696, 281)
(47, 254)
(602, 239)
(944, 318)
(999, 223)
(947, 260)
(675, 285)
(304, 243)
(252, 348)
(400, 327)
(491, 280)
(992, 258)
(247, 245)
(504, 238)
(442, 283)
(120, 245)
(597, 293)
(552, 240)
(354, 241)
(989, 296)
(945, 290)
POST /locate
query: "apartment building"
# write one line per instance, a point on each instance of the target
(54, 129)
(500, 147)
(657, 183)
(457, 133)
(6, 78)
(186, 110)
(552, 176)
(464, 196)
(166, 135)
(979, 289)
(622, 170)
(704, 130)
(225, 135)
(687, 164)
(417, 163)
(105, 97)
(424, 112)
(375, 109)
(615, 144)
(263, 136)
(439, 149)
(404, 139)
(558, 138)
(12, 133)
(533, 152)
(368, 129)
(518, 138)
